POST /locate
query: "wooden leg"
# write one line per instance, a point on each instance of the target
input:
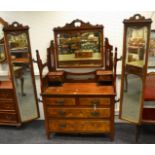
(138, 127)
(112, 136)
(18, 126)
(48, 135)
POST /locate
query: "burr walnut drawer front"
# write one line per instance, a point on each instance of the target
(66, 125)
(7, 105)
(94, 101)
(104, 78)
(55, 78)
(60, 101)
(8, 117)
(78, 112)
(6, 94)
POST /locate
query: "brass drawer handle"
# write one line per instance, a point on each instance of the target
(62, 113)
(62, 126)
(97, 102)
(95, 113)
(60, 102)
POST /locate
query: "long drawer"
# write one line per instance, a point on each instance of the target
(94, 101)
(6, 94)
(68, 125)
(78, 112)
(60, 101)
(7, 105)
(8, 117)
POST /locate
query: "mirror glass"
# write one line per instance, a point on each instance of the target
(136, 43)
(2, 48)
(132, 96)
(22, 75)
(151, 52)
(79, 49)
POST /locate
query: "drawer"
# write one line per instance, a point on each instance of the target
(93, 126)
(92, 101)
(55, 78)
(8, 117)
(60, 101)
(78, 112)
(6, 94)
(104, 78)
(7, 105)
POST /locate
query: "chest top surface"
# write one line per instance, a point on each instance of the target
(80, 89)
(6, 85)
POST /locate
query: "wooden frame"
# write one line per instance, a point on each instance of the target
(81, 58)
(2, 41)
(139, 21)
(151, 54)
(16, 29)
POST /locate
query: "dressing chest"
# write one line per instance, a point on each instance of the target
(76, 101)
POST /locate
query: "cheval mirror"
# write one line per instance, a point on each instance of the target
(134, 67)
(21, 70)
(2, 45)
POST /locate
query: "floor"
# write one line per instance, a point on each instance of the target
(34, 133)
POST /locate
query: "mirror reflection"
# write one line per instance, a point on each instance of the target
(132, 96)
(79, 49)
(151, 51)
(22, 75)
(2, 48)
(136, 46)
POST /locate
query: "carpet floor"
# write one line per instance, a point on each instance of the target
(34, 133)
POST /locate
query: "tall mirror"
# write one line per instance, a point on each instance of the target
(20, 61)
(2, 46)
(134, 67)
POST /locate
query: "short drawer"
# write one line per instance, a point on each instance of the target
(8, 117)
(94, 101)
(93, 126)
(60, 101)
(104, 78)
(6, 94)
(78, 112)
(55, 78)
(7, 105)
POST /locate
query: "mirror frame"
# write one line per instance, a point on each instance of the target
(80, 27)
(4, 23)
(17, 28)
(139, 21)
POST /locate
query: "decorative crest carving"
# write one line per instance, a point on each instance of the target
(77, 24)
(15, 26)
(137, 18)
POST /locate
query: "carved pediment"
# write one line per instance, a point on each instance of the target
(137, 18)
(15, 26)
(77, 24)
